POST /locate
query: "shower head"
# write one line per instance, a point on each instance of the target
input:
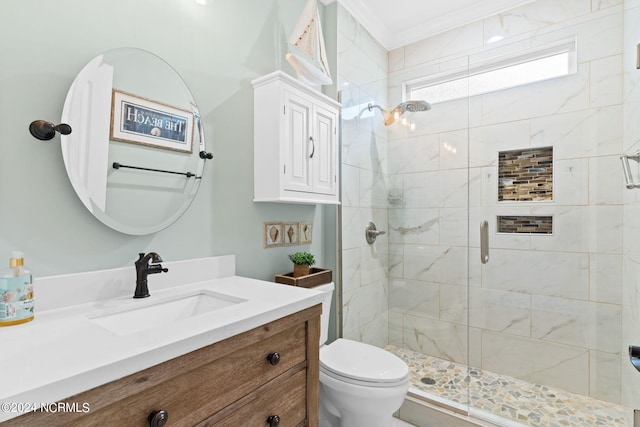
(414, 106)
(410, 106)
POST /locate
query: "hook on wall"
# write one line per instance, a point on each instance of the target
(43, 130)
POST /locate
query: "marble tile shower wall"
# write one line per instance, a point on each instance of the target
(546, 308)
(362, 79)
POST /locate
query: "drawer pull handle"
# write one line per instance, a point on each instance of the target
(273, 421)
(158, 418)
(274, 359)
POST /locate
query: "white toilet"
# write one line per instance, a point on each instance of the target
(360, 385)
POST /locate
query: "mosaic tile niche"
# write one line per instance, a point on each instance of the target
(525, 224)
(525, 175)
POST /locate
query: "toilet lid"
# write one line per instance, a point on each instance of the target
(362, 362)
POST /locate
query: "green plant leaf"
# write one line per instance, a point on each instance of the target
(302, 258)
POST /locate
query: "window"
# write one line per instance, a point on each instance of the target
(507, 71)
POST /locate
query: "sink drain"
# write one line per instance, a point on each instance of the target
(427, 380)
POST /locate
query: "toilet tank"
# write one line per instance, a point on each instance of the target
(326, 310)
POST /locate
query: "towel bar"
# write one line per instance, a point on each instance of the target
(627, 169)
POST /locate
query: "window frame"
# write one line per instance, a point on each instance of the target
(567, 46)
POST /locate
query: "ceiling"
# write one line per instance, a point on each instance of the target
(396, 23)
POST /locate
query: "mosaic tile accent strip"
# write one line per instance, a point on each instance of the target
(525, 175)
(525, 224)
(519, 401)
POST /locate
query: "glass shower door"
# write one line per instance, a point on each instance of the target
(546, 310)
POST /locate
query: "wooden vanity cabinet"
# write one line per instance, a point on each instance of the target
(240, 381)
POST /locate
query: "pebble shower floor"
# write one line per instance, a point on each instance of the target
(510, 398)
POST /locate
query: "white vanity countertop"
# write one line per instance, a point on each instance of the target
(63, 352)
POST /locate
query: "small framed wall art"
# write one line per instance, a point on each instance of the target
(290, 230)
(143, 121)
(273, 235)
(305, 232)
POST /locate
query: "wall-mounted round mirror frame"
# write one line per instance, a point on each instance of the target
(133, 157)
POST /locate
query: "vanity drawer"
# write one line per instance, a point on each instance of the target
(219, 379)
(284, 397)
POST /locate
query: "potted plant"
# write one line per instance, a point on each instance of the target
(301, 263)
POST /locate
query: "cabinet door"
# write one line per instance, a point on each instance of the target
(297, 111)
(324, 155)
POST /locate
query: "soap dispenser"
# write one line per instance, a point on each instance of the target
(16, 292)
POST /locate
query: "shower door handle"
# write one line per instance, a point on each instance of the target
(484, 242)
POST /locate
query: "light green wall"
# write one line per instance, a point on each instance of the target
(218, 49)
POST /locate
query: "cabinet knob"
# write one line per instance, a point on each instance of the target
(274, 358)
(158, 418)
(273, 421)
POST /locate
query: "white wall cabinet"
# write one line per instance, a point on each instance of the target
(295, 142)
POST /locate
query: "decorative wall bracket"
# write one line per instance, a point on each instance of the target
(44, 131)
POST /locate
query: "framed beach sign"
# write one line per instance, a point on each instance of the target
(143, 121)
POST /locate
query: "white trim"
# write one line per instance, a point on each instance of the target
(363, 14)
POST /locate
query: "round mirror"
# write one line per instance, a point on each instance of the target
(136, 154)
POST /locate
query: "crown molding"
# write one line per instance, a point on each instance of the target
(362, 13)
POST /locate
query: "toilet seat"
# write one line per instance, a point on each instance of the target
(362, 364)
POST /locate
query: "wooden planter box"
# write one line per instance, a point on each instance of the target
(318, 276)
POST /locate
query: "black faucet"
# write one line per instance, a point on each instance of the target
(143, 268)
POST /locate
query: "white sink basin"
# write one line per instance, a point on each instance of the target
(151, 314)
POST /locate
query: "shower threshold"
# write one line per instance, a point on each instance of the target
(504, 400)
